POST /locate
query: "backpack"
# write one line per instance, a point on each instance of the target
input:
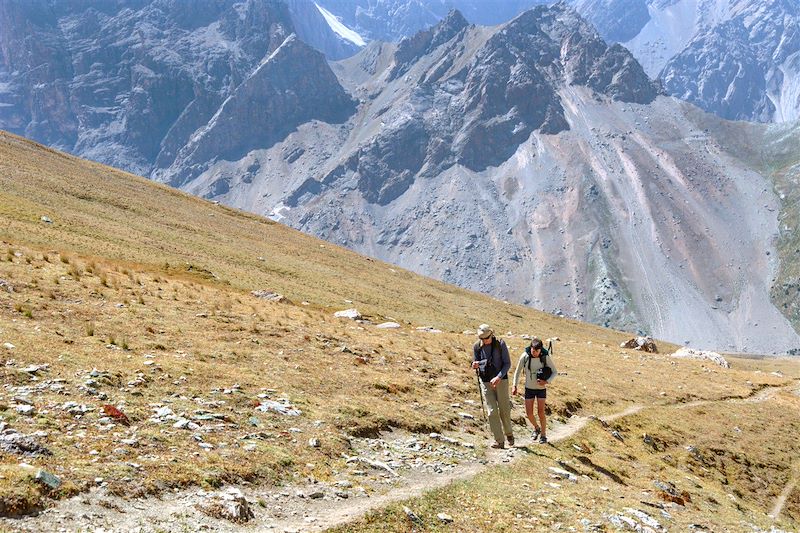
(487, 370)
(545, 372)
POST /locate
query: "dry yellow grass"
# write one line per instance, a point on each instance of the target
(151, 287)
(726, 463)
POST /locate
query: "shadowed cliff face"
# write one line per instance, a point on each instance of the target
(129, 82)
(272, 102)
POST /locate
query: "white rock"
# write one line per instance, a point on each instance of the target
(714, 357)
(163, 412)
(352, 314)
(8, 346)
(644, 518)
(25, 409)
(562, 474)
(388, 325)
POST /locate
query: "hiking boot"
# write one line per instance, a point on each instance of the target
(536, 433)
(510, 439)
(543, 439)
(498, 446)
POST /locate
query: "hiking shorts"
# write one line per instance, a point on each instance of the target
(530, 394)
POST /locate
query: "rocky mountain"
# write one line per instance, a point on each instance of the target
(739, 59)
(392, 20)
(129, 82)
(537, 163)
(735, 58)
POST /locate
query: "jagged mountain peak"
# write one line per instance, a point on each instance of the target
(546, 34)
(275, 99)
(424, 42)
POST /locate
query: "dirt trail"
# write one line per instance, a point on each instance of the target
(420, 484)
(784, 495)
(286, 511)
(780, 502)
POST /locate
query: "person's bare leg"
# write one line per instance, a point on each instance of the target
(529, 413)
(542, 419)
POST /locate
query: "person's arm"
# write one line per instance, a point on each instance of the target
(506, 360)
(475, 352)
(552, 366)
(518, 371)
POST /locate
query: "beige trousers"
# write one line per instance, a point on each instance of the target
(498, 403)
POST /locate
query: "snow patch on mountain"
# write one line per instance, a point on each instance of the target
(339, 28)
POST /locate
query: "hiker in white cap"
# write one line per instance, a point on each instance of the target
(490, 358)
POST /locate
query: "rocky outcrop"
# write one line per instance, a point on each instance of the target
(644, 344)
(721, 72)
(128, 84)
(738, 59)
(702, 355)
(35, 71)
(424, 42)
(313, 29)
(273, 101)
(451, 96)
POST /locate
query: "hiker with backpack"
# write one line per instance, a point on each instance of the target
(491, 362)
(537, 362)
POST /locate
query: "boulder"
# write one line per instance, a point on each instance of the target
(230, 505)
(269, 295)
(19, 444)
(644, 344)
(352, 314)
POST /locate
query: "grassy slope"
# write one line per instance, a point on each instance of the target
(182, 269)
(782, 162)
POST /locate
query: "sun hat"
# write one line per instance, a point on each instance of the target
(485, 331)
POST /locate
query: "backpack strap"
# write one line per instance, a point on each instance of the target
(543, 353)
(478, 346)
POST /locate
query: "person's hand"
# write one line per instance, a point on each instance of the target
(495, 381)
(514, 391)
(541, 382)
(475, 364)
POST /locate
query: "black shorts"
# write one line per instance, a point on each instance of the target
(530, 394)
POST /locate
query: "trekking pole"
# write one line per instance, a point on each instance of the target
(480, 391)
